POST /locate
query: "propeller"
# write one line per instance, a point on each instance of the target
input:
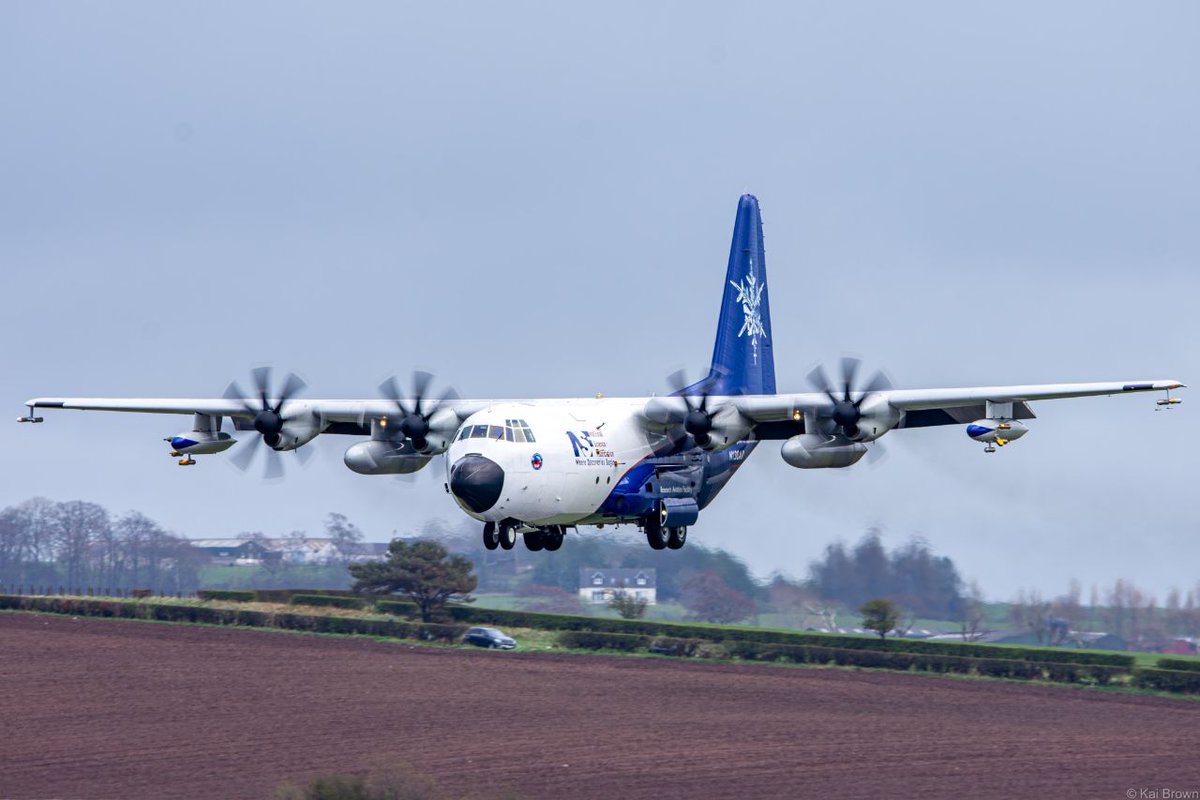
(416, 411)
(268, 420)
(845, 411)
(697, 419)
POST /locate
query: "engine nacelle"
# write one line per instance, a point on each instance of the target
(813, 451)
(729, 428)
(199, 443)
(878, 417)
(383, 458)
(300, 427)
(996, 431)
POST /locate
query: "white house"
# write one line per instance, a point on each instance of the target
(597, 585)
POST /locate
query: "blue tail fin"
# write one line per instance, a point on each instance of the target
(742, 361)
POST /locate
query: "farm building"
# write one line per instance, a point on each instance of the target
(289, 550)
(233, 551)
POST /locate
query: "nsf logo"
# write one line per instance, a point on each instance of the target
(535, 461)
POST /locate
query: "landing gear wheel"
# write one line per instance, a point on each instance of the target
(491, 540)
(656, 536)
(676, 537)
(552, 539)
(507, 536)
(534, 540)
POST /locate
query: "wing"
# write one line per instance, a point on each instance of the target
(330, 411)
(924, 407)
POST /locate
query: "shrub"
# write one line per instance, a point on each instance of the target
(672, 647)
(1007, 668)
(326, 600)
(590, 640)
(1168, 680)
(401, 608)
(710, 650)
(231, 595)
(1181, 664)
(286, 595)
(432, 632)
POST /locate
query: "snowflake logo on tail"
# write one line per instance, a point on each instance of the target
(750, 296)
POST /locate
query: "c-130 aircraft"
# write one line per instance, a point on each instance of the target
(540, 467)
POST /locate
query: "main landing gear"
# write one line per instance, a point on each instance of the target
(504, 536)
(549, 538)
(662, 538)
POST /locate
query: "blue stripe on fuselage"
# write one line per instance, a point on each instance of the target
(629, 498)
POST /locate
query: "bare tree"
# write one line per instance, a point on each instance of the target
(973, 613)
(826, 613)
(76, 526)
(1031, 612)
(344, 535)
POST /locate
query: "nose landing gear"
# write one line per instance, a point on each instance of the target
(491, 538)
(503, 535)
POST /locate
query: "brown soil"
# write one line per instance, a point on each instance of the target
(95, 708)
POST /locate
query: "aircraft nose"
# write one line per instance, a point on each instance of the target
(476, 481)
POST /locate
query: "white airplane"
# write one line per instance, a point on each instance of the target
(539, 467)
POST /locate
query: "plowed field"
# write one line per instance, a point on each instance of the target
(94, 708)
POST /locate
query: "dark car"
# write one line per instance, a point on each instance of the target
(489, 637)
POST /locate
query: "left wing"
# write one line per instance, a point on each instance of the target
(356, 411)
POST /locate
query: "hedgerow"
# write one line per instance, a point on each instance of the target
(1168, 680)
(591, 640)
(285, 596)
(1181, 664)
(231, 595)
(335, 601)
(712, 633)
(285, 620)
(845, 657)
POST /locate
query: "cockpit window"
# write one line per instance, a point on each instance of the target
(513, 430)
(521, 431)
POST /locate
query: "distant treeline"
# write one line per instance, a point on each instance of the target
(76, 544)
(919, 581)
(923, 583)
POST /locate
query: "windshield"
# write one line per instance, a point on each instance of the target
(513, 430)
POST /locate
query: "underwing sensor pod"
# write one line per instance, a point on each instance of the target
(996, 432)
(998, 428)
(205, 438)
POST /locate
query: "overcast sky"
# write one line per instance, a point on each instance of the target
(537, 200)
